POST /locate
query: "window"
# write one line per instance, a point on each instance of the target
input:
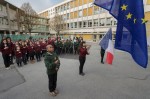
(96, 10)
(67, 25)
(94, 36)
(80, 24)
(108, 21)
(115, 22)
(68, 15)
(75, 25)
(80, 13)
(101, 10)
(65, 17)
(96, 22)
(65, 7)
(71, 25)
(84, 24)
(68, 6)
(102, 22)
(62, 8)
(90, 23)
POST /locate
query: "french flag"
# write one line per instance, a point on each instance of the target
(107, 44)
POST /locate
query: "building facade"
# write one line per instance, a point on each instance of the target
(83, 19)
(10, 21)
(147, 16)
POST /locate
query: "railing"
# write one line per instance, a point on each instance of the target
(23, 37)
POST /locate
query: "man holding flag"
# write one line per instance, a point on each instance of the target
(106, 44)
(131, 30)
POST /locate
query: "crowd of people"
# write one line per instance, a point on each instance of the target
(25, 51)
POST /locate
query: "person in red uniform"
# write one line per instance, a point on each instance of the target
(24, 53)
(11, 49)
(82, 57)
(43, 46)
(5, 53)
(31, 51)
(38, 51)
(18, 56)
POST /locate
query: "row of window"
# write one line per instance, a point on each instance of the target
(81, 13)
(3, 21)
(94, 23)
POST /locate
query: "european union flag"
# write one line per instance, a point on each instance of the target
(131, 30)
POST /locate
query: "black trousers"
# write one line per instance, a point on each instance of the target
(52, 82)
(43, 52)
(102, 57)
(58, 51)
(38, 56)
(6, 59)
(31, 56)
(11, 59)
(24, 58)
(75, 50)
(82, 61)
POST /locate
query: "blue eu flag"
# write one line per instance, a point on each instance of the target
(131, 30)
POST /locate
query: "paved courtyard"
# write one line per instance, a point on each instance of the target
(122, 80)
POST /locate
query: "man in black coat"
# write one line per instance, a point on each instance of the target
(102, 55)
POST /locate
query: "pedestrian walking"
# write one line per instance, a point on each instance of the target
(52, 64)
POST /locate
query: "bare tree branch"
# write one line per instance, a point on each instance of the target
(57, 24)
(29, 18)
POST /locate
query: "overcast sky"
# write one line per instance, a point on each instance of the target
(37, 5)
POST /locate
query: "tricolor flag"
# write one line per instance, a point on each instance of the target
(107, 44)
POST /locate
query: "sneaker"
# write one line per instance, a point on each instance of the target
(7, 68)
(56, 92)
(82, 74)
(102, 62)
(53, 94)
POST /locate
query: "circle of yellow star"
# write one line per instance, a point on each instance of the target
(129, 16)
(143, 20)
(124, 7)
(134, 20)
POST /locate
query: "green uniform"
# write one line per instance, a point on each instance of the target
(49, 60)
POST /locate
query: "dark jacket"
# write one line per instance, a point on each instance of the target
(49, 61)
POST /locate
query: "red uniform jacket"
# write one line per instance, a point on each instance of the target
(11, 47)
(30, 49)
(5, 49)
(18, 54)
(24, 49)
(38, 48)
(43, 46)
(83, 52)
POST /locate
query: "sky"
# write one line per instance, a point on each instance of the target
(37, 5)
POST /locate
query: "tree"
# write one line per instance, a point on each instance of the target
(57, 24)
(29, 17)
